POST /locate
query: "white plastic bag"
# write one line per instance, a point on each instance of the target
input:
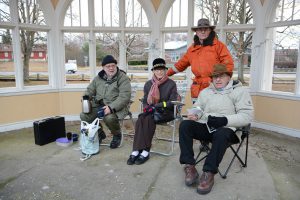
(89, 141)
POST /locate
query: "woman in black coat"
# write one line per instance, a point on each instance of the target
(158, 94)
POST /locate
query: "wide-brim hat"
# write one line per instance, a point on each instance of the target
(159, 63)
(219, 69)
(203, 23)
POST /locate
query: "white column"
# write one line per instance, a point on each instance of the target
(122, 48)
(297, 86)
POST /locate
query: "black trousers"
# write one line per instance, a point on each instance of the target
(220, 139)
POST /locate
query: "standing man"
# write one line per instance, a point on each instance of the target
(206, 51)
(110, 91)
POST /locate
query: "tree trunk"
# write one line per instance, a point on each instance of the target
(241, 69)
(26, 68)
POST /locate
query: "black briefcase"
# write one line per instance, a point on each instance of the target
(49, 129)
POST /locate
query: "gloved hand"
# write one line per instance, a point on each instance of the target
(86, 97)
(216, 122)
(149, 109)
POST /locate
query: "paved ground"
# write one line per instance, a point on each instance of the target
(29, 171)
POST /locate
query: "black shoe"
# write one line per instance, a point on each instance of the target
(116, 141)
(141, 159)
(131, 159)
(101, 135)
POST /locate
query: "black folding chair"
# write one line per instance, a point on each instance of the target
(204, 147)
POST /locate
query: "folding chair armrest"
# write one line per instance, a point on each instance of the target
(245, 130)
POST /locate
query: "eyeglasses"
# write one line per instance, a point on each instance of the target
(221, 76)
(110, 66)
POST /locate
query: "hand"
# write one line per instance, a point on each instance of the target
(106, 110)
(86, 97)
(149, 109)
(192, 117)
(216, 122)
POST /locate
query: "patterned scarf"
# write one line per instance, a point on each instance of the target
(154, 96)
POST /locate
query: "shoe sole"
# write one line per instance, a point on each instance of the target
(139, 163)
(206, 191)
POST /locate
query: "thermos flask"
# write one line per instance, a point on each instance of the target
(86, 105)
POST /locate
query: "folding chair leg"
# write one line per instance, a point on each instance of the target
(122, 126)
(244, 164)
(203, 148)
(172, 144)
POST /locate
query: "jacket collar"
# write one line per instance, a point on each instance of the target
(102, 75)
(230, 86)
(195, 48)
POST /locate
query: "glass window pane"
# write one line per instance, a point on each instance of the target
(137, 52)
(239, 45)
(30, 13)
(7, 68)
(177, 15)
(106, 43)
(175, 47)
(77, 14)
(135, 14)
(35, 67)
(106, 13)
(286, 49)
(4, 11)
(239, 12)
(208, 9)
(288, 10)
(77, 58)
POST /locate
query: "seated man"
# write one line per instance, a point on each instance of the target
(225, 105)
(110, 91)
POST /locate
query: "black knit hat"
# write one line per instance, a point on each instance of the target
(108, 59)
(159, 63)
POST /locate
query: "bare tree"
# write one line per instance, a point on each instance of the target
(29, 13)
(238, 12)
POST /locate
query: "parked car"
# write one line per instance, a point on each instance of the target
(71, 66)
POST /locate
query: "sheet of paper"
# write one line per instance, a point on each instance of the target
(210, 129)
(195, 111)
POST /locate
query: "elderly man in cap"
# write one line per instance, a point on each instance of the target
(206, 51)
(223, 106)
(109, 93)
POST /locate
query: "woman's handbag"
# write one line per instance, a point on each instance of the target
(162, 117)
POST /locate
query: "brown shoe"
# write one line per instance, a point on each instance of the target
(191, 174)
(206, 183)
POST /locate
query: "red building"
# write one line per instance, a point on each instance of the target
(39, 53)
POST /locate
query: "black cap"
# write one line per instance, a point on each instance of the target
(159, 63)
(108, 59)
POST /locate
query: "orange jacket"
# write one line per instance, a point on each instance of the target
(201, 59)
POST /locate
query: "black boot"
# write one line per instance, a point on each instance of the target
(116, 141)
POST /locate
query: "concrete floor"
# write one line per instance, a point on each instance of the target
(29, 171)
